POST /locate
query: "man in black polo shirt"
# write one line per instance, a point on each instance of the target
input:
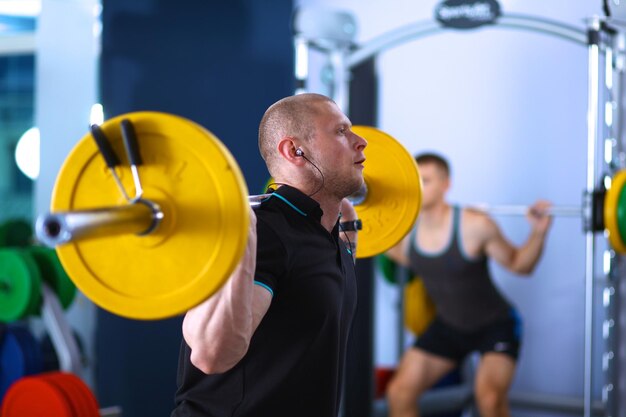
(272, 341)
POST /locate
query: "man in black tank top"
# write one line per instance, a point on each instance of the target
(449, 249)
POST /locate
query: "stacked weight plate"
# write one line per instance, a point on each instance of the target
(20, 285)
(15, 232)
(615, 212)
(22, 270)
(20, 355)
(53, 394)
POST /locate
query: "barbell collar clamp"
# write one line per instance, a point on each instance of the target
(110, 158)
(141, 218)
(132, 151)
(597, 210)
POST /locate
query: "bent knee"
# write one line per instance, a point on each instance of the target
(399, 392)
(490, 400)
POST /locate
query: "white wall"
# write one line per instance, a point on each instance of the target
(509, 110)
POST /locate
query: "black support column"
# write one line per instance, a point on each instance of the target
(359, 391)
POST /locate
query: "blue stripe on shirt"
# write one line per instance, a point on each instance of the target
(265, 286)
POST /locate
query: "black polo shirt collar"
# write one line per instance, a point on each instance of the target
(299, 202)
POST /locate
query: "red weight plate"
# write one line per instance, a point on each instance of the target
(35, 397)
(70, 391)
(83, 395)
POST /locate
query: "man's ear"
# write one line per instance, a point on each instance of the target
(288, 149)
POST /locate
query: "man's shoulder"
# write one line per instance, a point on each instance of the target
(274, 223)
(269, 217)
(478, 223)
(475, 215)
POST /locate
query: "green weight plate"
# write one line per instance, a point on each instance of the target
(20, 282)
(52, 272)
(389, 269)
(34, 306)
(15, 232)
(621, 214)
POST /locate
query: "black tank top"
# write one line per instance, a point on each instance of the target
(461, 287)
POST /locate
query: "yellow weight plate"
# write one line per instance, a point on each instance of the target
(394, 193)
(419, 309)
(611, 201)
(196, 181)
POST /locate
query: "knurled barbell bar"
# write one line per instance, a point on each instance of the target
(605, 210)
(175, 243)
(521, 210)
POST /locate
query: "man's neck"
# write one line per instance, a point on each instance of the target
(329, 204)
(435, 215)
(330, 207)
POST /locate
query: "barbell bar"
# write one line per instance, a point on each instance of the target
(521, 210)
(606, 211)
(140, 218)
(166, 252)
(59, 228)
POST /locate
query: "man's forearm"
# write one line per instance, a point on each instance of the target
(528, 256)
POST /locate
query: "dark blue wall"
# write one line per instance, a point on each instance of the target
(220, 64)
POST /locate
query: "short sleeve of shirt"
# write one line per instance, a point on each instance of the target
(271, 258)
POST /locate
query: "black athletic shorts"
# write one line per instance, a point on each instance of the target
(442, 340)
